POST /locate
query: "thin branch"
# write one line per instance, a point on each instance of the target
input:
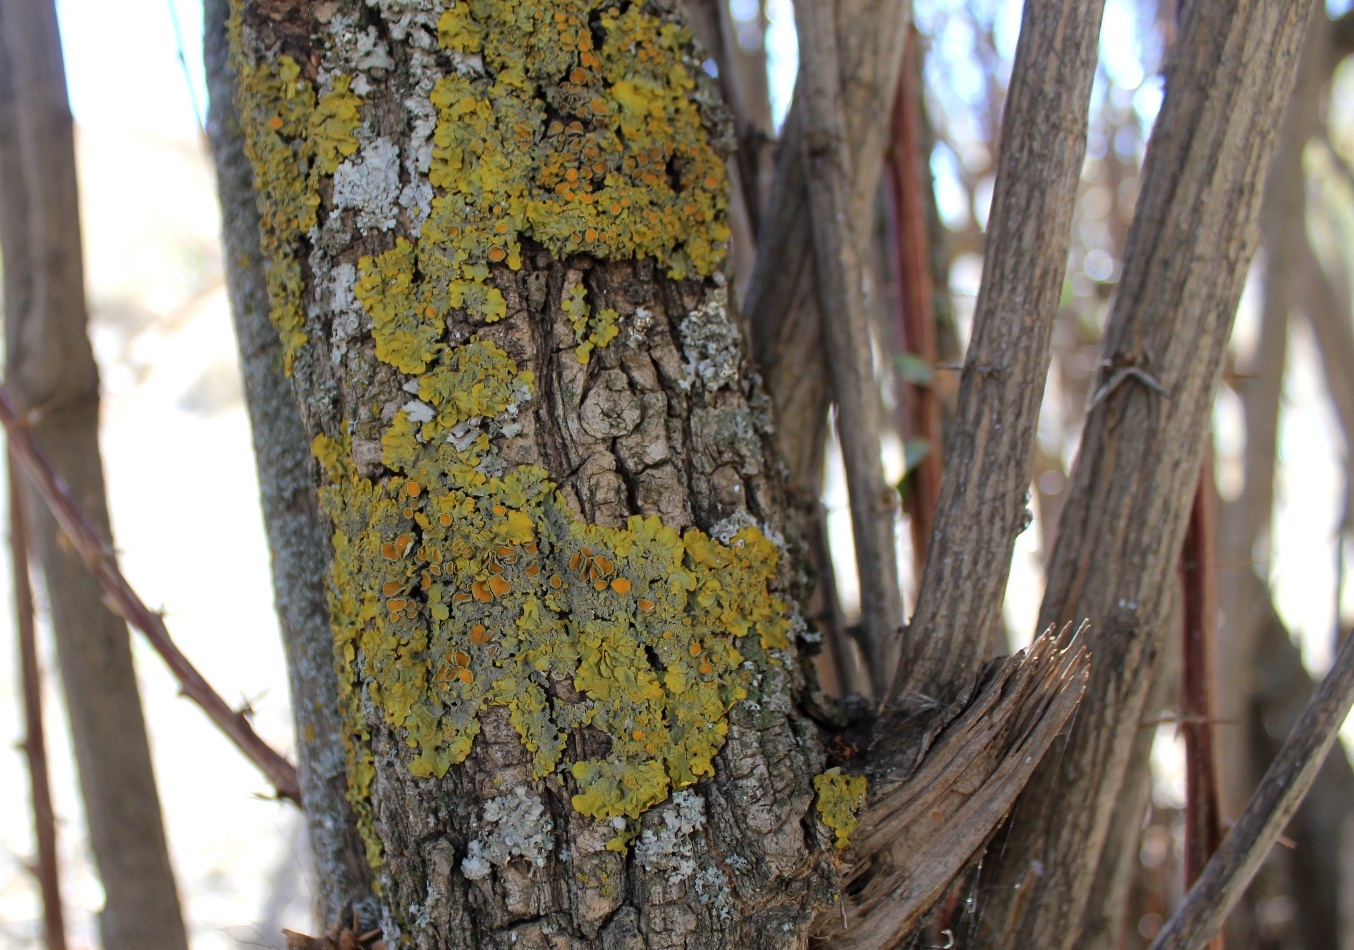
(1203, 819)
(919, 406)
(982, 502)
(34, 744)
(98, 557)
(1256, 831)
(781, 304)
(49, 363)
(846, 334)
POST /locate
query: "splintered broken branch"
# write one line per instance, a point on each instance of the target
(921, 833)
(98, 557)
(1266, 815)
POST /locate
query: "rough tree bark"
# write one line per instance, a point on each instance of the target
(50, 367)
(571, 689)
(563, 590)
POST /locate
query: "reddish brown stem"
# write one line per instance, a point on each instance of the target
(919, 410)
(1198, 572)
(98, 557)
(34, 745)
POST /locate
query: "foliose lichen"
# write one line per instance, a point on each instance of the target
(294, 136)
(668, 850)
(516, 825)
(453, 591)
(458, 582)
(840, 799)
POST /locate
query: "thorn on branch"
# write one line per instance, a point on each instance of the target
(1122, 375)
(82, 536)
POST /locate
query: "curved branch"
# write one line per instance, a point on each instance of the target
(98, 557)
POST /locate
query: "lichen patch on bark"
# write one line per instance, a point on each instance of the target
(486, 227)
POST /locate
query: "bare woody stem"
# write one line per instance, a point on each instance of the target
(982, 500)
(98, 557)
(34, 744)
(1123, 524)
(1198, 570)
(846, 335)
(1281, 791)
(919, 406)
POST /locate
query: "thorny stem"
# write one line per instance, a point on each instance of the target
(98, 557)
(34, 745)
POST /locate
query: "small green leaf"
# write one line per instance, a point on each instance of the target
(915, 452)
(913, 368)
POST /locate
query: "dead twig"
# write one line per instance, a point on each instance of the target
(99, 558)
(34, 744)
(1257, 830)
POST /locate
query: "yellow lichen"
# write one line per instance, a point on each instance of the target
(840, 799)
(291, 140)
(623, 169)
(452, 589)
(475, 591)
(592, 332)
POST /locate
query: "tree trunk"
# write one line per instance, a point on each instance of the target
(569, 681)
(298, 533)
(50, 368)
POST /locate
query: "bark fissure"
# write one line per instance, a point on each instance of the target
(568, 679)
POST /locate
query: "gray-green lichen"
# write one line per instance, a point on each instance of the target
(516, 825)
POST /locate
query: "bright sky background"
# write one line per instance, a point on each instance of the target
(122, 63)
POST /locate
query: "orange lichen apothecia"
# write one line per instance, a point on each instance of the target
(453, 589)
(658, 634)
